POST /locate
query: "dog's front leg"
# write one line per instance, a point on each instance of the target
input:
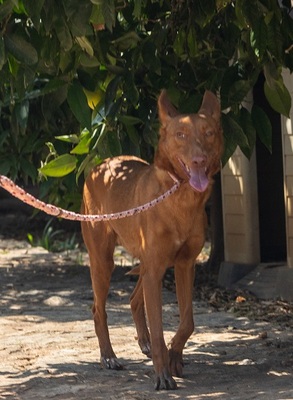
(184, 276)
(152, 288)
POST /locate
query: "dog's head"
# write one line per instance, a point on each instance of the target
(191, 145)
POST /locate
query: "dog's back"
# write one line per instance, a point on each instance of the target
(120, 184)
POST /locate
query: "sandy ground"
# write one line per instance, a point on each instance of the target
(48, 348)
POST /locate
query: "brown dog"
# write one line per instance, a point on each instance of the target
(170, 234)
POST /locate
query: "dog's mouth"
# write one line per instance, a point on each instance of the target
(197, 176)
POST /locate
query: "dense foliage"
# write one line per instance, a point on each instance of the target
(79, 79)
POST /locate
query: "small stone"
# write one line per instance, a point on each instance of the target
(247, 361)
(263, 335)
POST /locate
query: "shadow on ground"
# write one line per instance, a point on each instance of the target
(49, 349)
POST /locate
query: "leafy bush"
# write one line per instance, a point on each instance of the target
(79, 78)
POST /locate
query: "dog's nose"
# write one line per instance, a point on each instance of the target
(200, 161)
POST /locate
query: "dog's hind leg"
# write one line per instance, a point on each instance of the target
(100, 242)
(138, 313)
(184, 276)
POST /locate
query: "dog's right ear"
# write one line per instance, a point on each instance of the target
(210, 105)
(166, 108)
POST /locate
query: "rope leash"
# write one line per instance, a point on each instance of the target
(50, 209)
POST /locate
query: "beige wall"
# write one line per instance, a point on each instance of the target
(240, 210)
(240, 203)
(287, 137)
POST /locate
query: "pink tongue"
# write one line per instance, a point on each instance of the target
(198, 179)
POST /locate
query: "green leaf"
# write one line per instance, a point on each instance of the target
(127, 41)
(111, 93)
(21, 49)
(60, 166)
(31, 143)
(231, 75)
(2, 53)
(275, 39)
(77, 15)
(151, 58)
(85, 165)
(247, 13)
(22, 113)
(137, 9)
(28, 168)
(272, 74)
(30, 239)
(88, 61)
(97, 17)
(229, 149)
(234, 130)
(53, 85)
(209, 8)
(246, 124)
(85, 45)
(63, 33)
(238, 90)
(130, 89)
(114, 143)
(68, 138)
(258, 38)
(233, 136)
(97, 2)
(240, 20)
(278, 97)
(83, 146)
(133, 134)
(190, 104)
(262, 126)
(78, 104)
(33, 9)
(109, 13)
(204, 10)
(179, 43)
(129, 120)
(5, 165)
(192, 42)
(6, 8)
(100, 133)
(3, 136)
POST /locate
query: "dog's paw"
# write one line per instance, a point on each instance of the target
(146, 349)
(111, 363)
(176, 363)
(164, 381)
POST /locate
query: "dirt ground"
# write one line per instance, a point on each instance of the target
(48, 348)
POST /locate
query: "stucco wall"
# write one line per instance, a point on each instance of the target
(287, 138)
(240, 210)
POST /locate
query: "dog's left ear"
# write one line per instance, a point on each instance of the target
(166, 108)
(210, 105)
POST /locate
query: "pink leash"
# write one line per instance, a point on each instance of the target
(50, 209)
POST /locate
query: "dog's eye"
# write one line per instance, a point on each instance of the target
(209, 134)
(181, 135)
